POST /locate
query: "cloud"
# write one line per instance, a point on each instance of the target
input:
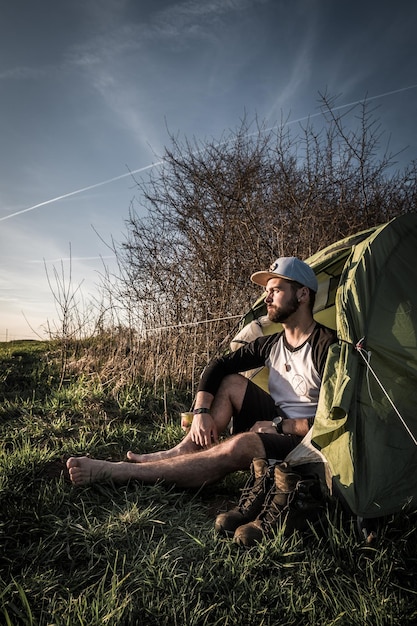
(114, 37)
(176, 22)
(299, 74)
(24, 73)
(190, 9)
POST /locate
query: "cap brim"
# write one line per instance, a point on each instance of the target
(261, 278)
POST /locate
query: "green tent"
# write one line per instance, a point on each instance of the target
(366, 423)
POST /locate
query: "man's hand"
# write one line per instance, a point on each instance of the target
(264, 427)
(298, 427)
(203, 431)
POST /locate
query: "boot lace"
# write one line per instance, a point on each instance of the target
(253, 490)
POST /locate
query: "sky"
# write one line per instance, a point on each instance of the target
(90, 91)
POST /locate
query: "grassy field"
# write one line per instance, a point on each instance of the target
(106, 555)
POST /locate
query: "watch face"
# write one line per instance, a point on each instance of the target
(277, 420)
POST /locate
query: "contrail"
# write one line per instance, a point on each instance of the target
(147, 167)
(351, 104)
(73, 193)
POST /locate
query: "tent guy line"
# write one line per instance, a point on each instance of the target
(187, 324)
(152, 165)
(366, 356)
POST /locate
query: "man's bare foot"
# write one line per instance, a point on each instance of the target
(182, 448)
(83, 470)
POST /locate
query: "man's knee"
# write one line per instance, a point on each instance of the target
(234, 386)
(234, 380)
(244, 447)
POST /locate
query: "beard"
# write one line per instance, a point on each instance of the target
(281, 314)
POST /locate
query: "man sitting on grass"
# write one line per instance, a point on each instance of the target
(265, 425)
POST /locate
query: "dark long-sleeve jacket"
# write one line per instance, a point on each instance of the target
(294, 374)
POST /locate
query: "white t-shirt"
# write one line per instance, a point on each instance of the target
(294, 382)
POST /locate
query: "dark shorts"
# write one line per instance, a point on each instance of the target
(258, 406)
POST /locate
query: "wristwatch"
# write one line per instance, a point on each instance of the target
(277, 422)
(199, 411)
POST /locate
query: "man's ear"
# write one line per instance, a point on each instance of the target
(303, 293)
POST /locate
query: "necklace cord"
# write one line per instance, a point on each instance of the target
(292, 350)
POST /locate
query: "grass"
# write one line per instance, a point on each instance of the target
(149, 554)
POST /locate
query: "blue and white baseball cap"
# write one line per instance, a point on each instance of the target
(291, 268)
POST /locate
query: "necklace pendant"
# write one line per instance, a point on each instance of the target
(287, 367)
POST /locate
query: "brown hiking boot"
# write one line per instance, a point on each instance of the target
(250, 501)
(290, 504)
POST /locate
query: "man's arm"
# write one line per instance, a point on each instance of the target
(248, 357)
(298, 427)
(203, 431)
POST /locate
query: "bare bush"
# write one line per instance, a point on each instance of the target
(215, 211)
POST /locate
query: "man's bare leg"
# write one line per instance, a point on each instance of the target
(185, 446)
(228, 401)
(188, 471)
